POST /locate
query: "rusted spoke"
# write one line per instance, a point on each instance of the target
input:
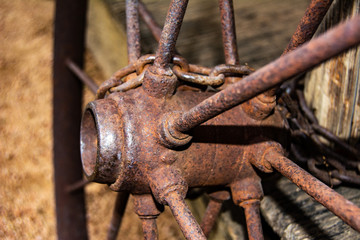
(228, 35)
(305, 57)
(133, 30)
(88, 81)
(308, 23)
(184, 217)
(228, 32)
(149, 228)
(77, 185)
(118, 213)
(209, 219)
(306, 28)
(213, 210)
(148, 211)
(332, 200)
(253, 220)
(170, 33)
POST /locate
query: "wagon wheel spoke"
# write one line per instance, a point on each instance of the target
(309, 23)
(118, 214)
(213, 210)
(306, 29)
(187, 222)
(253, 219)
(211, 213)
(82, 76)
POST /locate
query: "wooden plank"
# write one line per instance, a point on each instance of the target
(332, 89)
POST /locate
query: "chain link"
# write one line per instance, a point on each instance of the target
(182, 69)
(331, 165)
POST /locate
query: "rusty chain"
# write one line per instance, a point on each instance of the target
(332, 160)
(331, 166)
(200, 75)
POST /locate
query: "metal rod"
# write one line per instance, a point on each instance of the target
(307, 27)
(149, 228)
(253, 220)
(118, 213)
(133, 30)
(307, 112)
(83, 77)
(332, 200)
(303, 58)
(170, 33)
(184, 217)
(335, 139)
(309, 23)
(149, 20)
(69, 36)
(209, 219)
(228, 32)
(77, 185)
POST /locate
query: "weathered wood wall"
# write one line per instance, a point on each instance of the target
(332, 89)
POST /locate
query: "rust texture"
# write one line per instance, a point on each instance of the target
(149, 228)
(333, 201)
(253, 220)
(303, 58)
(135, 159)
(184, 217)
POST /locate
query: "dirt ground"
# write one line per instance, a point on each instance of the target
(26, 196)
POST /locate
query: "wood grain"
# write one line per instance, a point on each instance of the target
(332, 89)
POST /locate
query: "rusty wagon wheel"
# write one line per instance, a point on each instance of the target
(154, 132)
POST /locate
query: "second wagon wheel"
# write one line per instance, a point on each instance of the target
(152, 130)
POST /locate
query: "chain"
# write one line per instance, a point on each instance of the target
(331, 165)
(122, 80)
